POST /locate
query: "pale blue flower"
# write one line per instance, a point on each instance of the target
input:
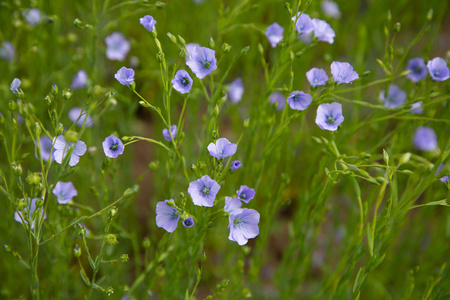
(235, 90)
(243, 226)
(203, 191)
(62, 148)
(167, 217)
(437, 67)
(113, 146)
(343, 72)
(395, 97)
(317, 77)
(117, 46)
(79, 81)
(425, 139)
(274, 34)
(64, 192)
(222, 148)
(173, 131)
(148, 22)
(323, 31)
(329, 116)
(233, 205)
(299, 100)
(202, 61)
(245, 193)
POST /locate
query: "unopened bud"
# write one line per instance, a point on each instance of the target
(226, 48)
(67, 93)
(111, 239)
(71, 136)
(76, 251)
(124, 258)
(211, 43)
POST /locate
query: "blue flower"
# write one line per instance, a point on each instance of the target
(304, 24)
(323, 31)
(125, 76)
(317, 77)
(62, 148)
(235, 165)
(343, 72)
(27, 212)
(77, 115)
(416, 108)
(245, 193)
(190, 49)
(331, 9)
(395, 97)
(277, 97)
(222, 148)
(15, 84)
(233, 205)
(274, 34)
(438, 69)
(117, 46)
(202, 61)
(166, 217)
(189, 222)
(148, 22)
(243, 226)
(173, 131)
(79, 81)
(425, 139)
(33, 16)
(329, 116)
(113, 146)
(299, 100)
(203, 191)
(418, 69)
(235, 90)
(64, 192)
(46, 148)
(182, 82)
(443, 179)
(7, 51)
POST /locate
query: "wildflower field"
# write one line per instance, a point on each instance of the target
(224, 149)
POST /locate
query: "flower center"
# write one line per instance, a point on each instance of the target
(187, 223)
(114, 147)
(330, 120)
(315, 80)
(174, 215)
(417, 69)
(184, 81)
(436, 74)
(237, 222)
(206, 64)
(205, 191)
(243, 196)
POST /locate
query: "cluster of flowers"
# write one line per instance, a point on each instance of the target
(307, 29)
(243, 222)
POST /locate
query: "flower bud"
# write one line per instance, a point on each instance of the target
(109, 291)
(81, 230)
(12, 105)
(182, 41)
(112, 212)
(211, 43)
(67, 93)
(131, 191)
(71, 136)
(124, 258)
(215, 135)
(226, 48)
(17, 168)
(160, 271)
(146, 243)
(154, 165)
(54, 90)
(247, 120)
(6, 248)
(33, 179)
(397, 27)
(48, 100)
(203, 257)
(111, 239)
(76, 251)
(172, 38)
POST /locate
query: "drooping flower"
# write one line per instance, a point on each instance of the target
(190, 49)
(173, 131)
(15, 85)
(46, 148)
(304, 24)
(27, 212)
(418, 69)
(277, 97)
(416, 108)
(7, 51)
(329, 116)
(33, 16)
(202, 61)
(425, 139)
(148, 22)
(167, 217)
(323, 31)
(125, 76)
(235, 165)
(437, 67)
(299, 100)
(62, 147)
(79, 81)
(182, 82)
(443, 179)
(235, 90)
(395, 97)
(222, 148)
(77, 115)
(64, 192)
(113, 146)
(245, 193)
(189, 222)
(317, 77)
(331, 9)
(233, 205)
(243, 226)
(274, 34)
(117, 46)
(343, 72)
(203, 191)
